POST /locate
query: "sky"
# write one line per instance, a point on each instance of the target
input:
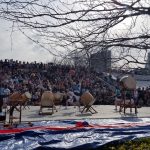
(14, 45)
(18, 47)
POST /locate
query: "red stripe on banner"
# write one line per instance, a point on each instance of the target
(58, 128)
(19, 130)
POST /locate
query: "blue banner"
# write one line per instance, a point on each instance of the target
(70, 134)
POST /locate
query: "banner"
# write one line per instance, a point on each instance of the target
(73, 134)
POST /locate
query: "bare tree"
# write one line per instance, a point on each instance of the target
(58, 25)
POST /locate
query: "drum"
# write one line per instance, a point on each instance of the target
(58, 97)
(28, 95)
(128, 82)
(15, 96)
(16, 99)
(47, 98)
(86, 98)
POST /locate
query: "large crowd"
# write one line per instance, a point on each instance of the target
(38, 77)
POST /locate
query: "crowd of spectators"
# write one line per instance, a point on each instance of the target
(38, 77)
(140, 96)
(143, 95)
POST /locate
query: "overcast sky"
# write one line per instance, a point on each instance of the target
(20, 47)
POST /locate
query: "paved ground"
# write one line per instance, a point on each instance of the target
(104, 111)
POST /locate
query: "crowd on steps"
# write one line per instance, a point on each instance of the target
(38, 77)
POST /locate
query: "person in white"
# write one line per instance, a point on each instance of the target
(6, 98)
(73, 99)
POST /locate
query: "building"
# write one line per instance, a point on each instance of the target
(147, 66)
(101, 61)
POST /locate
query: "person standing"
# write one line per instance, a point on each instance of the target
(1, 96)
(118, 98)
(6, 93)
(135, 97)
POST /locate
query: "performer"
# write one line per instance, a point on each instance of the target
(1, 96)
(118, 98)
(6, 93)
(128, 85)
(72, 99)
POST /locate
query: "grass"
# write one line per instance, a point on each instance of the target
(138, 144)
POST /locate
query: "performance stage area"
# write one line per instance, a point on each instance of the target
(69, 129)
(31, 113)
